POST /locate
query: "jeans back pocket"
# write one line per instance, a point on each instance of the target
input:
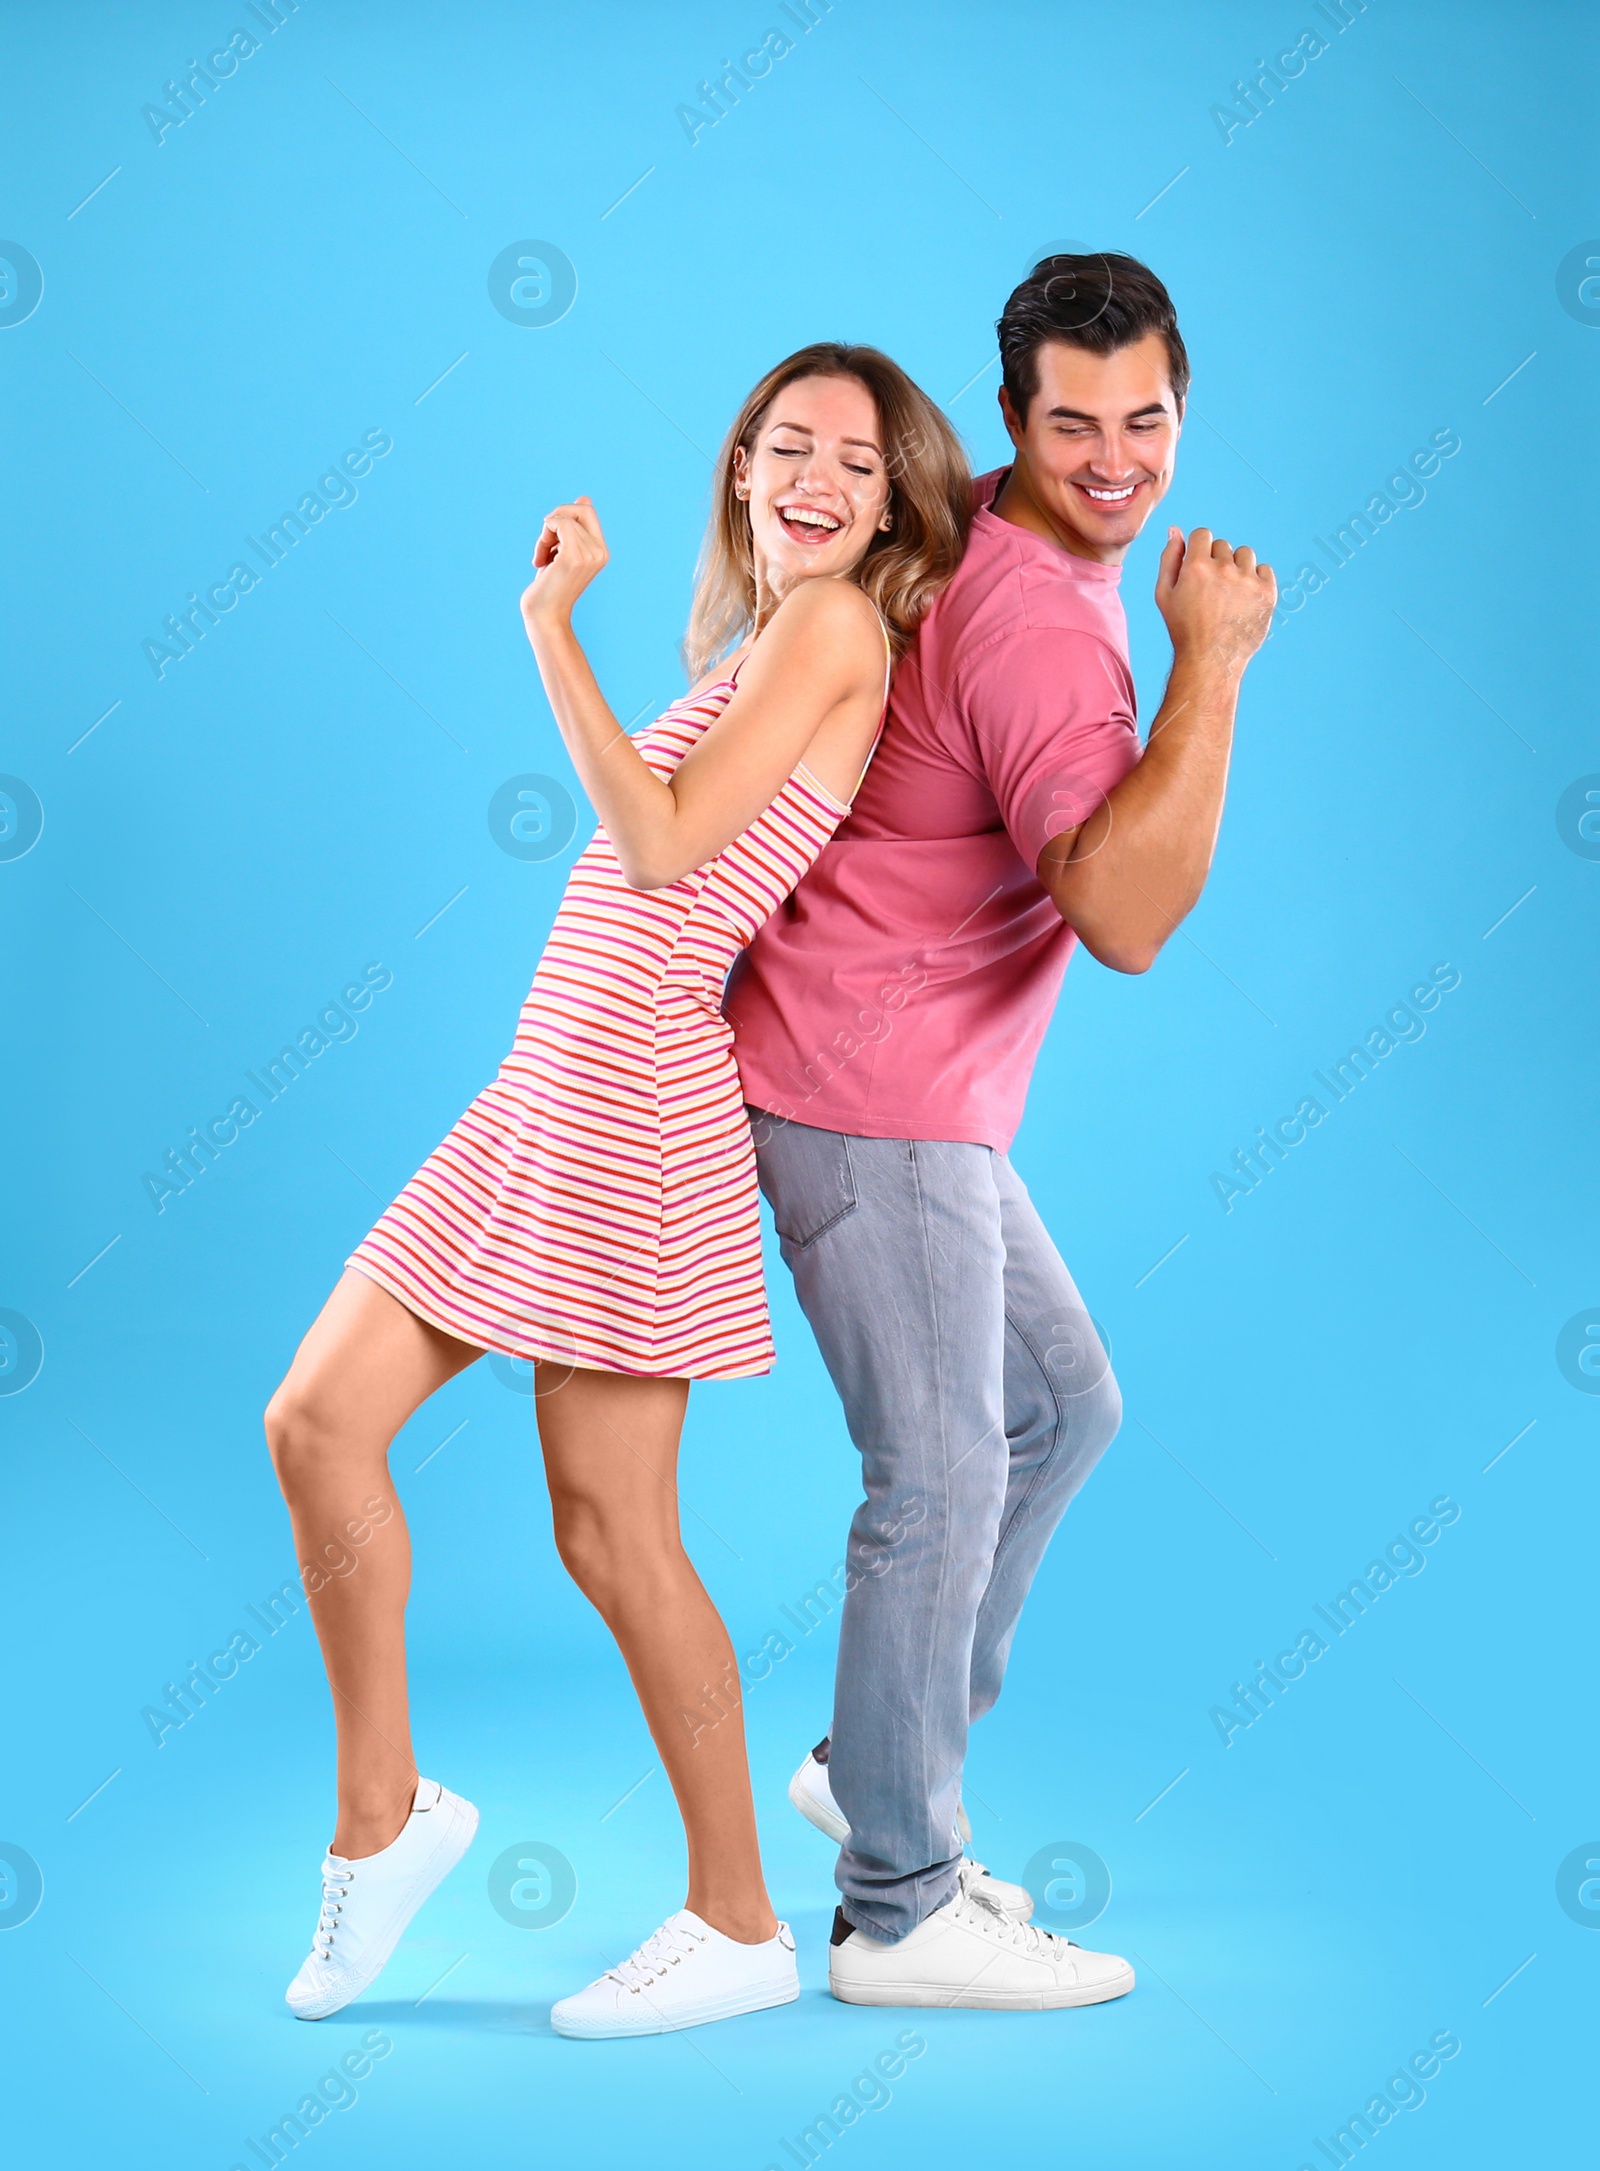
(807, 1178)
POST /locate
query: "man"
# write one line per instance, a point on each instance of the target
(887, 1021)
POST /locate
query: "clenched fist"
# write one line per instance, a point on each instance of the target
(570, 551)
(1216, 600)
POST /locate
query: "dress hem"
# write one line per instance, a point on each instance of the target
(363, 1266)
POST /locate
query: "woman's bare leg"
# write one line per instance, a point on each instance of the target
(611, 1455)
(361, 1371)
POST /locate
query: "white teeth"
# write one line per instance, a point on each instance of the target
(1111, 497)
(809, 519)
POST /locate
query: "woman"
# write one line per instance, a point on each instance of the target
(595, 1208)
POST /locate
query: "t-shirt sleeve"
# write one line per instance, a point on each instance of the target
(1051, 711)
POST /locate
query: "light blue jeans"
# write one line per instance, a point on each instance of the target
(980, 1398)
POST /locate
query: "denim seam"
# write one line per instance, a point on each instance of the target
(940, 1400)
(1057, 1438)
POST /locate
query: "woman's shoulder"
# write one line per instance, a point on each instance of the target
(833, 609)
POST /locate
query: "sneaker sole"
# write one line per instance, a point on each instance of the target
(833, 1826)
(728, 2008)
(452, 1844)
(936, 1994)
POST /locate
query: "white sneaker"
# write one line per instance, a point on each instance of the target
(684, 1975)
(813, 1797)
(366, 1903)
(968, 1953)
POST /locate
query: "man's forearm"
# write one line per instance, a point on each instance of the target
(1136, 867)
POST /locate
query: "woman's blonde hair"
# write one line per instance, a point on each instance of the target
(930, 494)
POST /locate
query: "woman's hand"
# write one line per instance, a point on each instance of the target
(570, 551)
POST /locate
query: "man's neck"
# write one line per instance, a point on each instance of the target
(1017, 502)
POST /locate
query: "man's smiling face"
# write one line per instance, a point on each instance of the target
(1096, 449)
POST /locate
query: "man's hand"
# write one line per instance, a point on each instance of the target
(1136, 867)
(1216, 600)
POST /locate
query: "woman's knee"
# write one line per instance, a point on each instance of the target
(611, 1557)
(303, 1432)
(586, 1543)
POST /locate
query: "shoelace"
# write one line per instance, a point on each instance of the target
(664, 1949)
(335, 1884)
(994, 1921)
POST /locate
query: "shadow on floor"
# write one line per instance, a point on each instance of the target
(478, 2016)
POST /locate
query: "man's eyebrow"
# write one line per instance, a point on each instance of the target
(1076, 414)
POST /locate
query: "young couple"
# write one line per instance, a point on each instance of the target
(905, 781)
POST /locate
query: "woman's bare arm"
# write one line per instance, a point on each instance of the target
(811, 685)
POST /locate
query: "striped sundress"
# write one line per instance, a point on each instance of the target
(597, 1205)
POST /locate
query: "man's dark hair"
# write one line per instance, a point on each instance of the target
(1097, 302)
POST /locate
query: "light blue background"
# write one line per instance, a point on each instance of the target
(1367, 262)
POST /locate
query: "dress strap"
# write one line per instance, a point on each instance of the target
(888, 668)
(883, 712)
(888, 674)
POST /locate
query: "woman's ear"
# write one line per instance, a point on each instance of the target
(741, 473)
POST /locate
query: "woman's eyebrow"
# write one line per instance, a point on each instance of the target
(804, 429)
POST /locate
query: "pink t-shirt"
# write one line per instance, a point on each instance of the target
(903, 990)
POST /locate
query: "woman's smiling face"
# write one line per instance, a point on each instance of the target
(816, 482)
